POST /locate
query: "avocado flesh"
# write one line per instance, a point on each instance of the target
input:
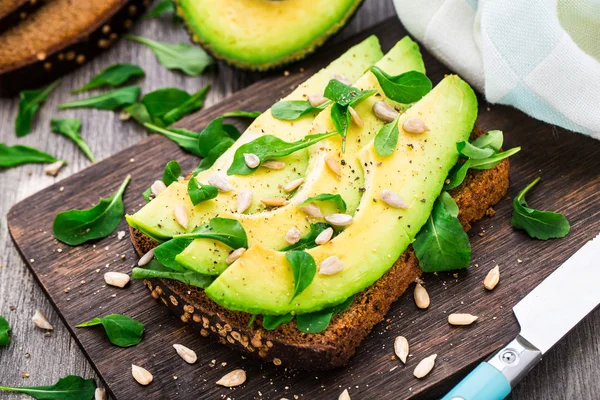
(261, 281)
(269, 228)
(156, 219)
(259, 34)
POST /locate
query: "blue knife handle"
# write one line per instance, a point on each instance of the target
(484, 383)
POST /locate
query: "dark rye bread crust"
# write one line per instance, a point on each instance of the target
(337, 344)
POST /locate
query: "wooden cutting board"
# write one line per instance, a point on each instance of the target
(73, 277)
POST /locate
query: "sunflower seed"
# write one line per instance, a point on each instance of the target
(219, 180)
(124, 115)
(324, 236)
(311, 210)
(188, 355)
(234, 378)
(117, 279)
(243, 200)
(100, 394)
(181, 215)
(293, 236)
(425, 366)
(341, 78)
(316, 99)
(141, 375)
(339, 219)
(273, 164)
(492, 278)
(146, 258)
(251, 160)
(344, 395)
(355, 117)
(461, 319)
(274, 201)
(54, 168)
(293, 185)
(421, 296)
(333, 165)
(414, 125)
(401, 348)
(331, 265)
(392, 199)
(157, 188)
(234, 255)
(40, 321)
(384, 111)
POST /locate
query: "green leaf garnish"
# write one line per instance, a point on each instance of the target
(291, 110)
(192, 60)
(268, 147)
(138, 112)
(472, 152)
(75, 227)
(193, 103)
(225, 230)
(335, 198)
(107, 101)
(70, 127)
(405, 88)
(29, 103)
(494, 160)
(345, 95)
(18, 154)
(213, 154)
(387, 138)
(242, 114)
(166, 106)
(155, 270)
(166, 253)
(442, 244)
(68, 388)
(340, 116)
(308, 241)
(457, 175)
(491, 139)
(114, 76)
(4, 332)
(185, 139)
(541, 225)
(271, 322)
(122, 331)
(304, 269)
(163, 7)
(319, 321)
(199, 192)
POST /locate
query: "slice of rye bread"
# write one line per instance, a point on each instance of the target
(14, 11)
(59, 36)
(333, 347)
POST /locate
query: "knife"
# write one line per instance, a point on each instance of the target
(545, 315)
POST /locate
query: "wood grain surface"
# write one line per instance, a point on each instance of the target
(567, 162)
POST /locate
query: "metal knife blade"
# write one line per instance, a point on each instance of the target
(562, 300)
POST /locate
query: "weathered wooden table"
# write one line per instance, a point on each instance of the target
(569, 371)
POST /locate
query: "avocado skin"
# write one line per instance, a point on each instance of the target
(288, 59)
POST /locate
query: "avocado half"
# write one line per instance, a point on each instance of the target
(263, 34)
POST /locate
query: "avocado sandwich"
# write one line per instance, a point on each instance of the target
(292, 242)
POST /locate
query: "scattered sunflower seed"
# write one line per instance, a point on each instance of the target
(293, 185)
(425, 366)
(492, 278)
(421, 296)
(244, 200)
(339, 219)
(220, 180)
(355, 117)
(273, 164)
(384, 111)
(316, 99)
(274, 201)
(414, 125)
(234, 378)
(344, 395)
(100, 394)
(312, 210)
(333, 165)
(324, 236)
(401, 348)
(461, 319)
(293, 236)
(54, 168)
(188, 355)
(157, 188)
(341, 78)
(141, 375)
(181, 215)
(331, 265)
(234, 255)
(392, 199)
(117, 279)
(41, 322)
(146, 258)
(251, 160)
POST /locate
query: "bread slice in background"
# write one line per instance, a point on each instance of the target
(335, 346)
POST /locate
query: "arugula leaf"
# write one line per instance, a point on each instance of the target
(122, 331)
(345, 95)
(199, 192)
(304, 269)
(166, 106)
(192, 60)
(493, 160)
(107, 101)
(308, 241)
(268, 147)
(442, 244)
(163, 7)
(472, 152)
(319, 321)
(541, 225)
(387, 138)
(491, 139)
(290, 110)
(114, 75)
(271, 322)
(193, 103)
(185, 139)
(68, 388)
(4, 331)
(213, 154)
(139, 112)
(225, 230)
(29, 103)
(242, 114)
(161, 101)
(75, 227)
(166, 252)
(18, 154)
(154, 270)
(405, 88)
(457, 175)
(336, 198)
(341, 120)
(70, 127)
(172, 172)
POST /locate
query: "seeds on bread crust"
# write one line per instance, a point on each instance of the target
(384, 111)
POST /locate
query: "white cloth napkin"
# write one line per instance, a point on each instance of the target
(541, 56)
